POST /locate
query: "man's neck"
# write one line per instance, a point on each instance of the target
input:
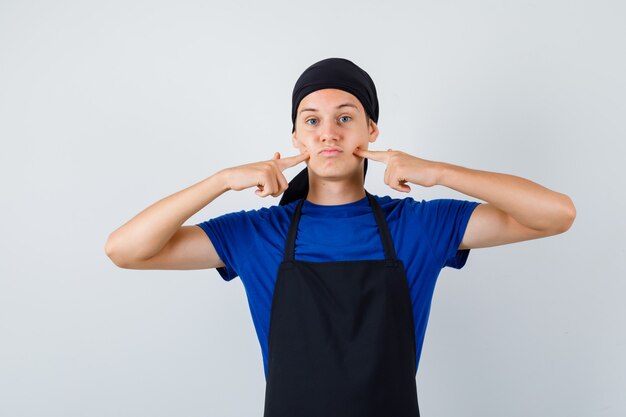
(330, 193)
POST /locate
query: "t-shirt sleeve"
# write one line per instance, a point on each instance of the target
(228, 235)
(445, 222)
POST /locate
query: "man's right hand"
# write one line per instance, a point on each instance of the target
(266, 175)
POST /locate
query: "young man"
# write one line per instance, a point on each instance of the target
(339, 281)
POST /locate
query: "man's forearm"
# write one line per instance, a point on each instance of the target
(527, 202)
(147, 233)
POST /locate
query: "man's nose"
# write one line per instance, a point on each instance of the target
(329, 131)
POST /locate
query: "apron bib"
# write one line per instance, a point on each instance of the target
(341, 341)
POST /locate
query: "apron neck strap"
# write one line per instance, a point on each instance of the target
(385, 236)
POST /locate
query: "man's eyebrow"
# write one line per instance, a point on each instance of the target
(338, 107)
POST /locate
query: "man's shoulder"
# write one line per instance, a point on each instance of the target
(410, 202)
(277, 210)
(390, 204)
(267, 216)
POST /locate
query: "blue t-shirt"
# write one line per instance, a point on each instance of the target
(426, 236)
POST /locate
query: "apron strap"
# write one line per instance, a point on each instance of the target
(293, 230)
(385, 236)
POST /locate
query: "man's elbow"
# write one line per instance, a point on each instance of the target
(114, 255)
(568, 217)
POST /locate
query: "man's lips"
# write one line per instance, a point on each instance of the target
(330, 151)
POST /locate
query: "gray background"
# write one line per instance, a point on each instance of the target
(107, 107)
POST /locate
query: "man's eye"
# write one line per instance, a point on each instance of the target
(345, 116)
(307, 121)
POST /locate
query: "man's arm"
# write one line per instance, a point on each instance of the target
(156, 239)
(516, 209)
(153, 238)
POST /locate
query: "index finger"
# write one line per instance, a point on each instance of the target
(380, 156)
(290, 161)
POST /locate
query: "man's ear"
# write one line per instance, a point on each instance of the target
(294, 140)
(373, 131)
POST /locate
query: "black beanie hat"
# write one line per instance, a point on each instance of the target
(339, 73)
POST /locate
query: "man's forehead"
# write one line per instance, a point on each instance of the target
(329, 97)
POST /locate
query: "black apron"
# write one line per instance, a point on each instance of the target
(341, 340)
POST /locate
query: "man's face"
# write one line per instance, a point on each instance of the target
(333, 119)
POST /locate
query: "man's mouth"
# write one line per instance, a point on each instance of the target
(330, 151)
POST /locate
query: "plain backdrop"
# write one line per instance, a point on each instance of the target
(107, 107)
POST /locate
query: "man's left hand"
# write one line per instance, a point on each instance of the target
(403, 168)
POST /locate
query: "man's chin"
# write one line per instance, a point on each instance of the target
(334, 172)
